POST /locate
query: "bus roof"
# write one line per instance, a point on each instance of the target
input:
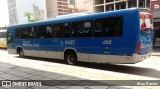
(80, 17)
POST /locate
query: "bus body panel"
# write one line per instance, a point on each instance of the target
(121, 49)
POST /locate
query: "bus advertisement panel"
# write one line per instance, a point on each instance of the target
(146, 24)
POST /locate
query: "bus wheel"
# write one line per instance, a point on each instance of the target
(71, 58)
(21, 53)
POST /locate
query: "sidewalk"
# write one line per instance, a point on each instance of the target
(12, 72)
(14, 68)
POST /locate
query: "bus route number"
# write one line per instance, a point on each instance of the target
(68, 42)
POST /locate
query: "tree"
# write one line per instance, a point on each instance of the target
(33, 20)
(28, 15)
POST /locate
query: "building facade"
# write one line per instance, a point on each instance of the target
(155, 7)
(12, 12)
(80, 6)
(110, 5)
(56, 7)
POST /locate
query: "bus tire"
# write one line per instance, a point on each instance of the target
(21, 53)
(71, 58)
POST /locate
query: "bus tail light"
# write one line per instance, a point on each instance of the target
(139, 47)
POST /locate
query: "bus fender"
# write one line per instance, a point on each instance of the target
(70, 49)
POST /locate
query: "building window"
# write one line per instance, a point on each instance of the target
(107, 1)
(99, 9)
(142, 3)
(99, 2)
(148, 3)
(110, 7)
(132, 3)
(121, 5)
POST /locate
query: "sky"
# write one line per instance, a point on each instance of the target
(4, 17)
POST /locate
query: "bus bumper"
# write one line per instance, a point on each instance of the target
(139, 58)
(12, 51)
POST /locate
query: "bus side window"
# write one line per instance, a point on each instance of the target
(111, 27)
(88, 28)
(108, 27)
(20, 33)
(61, 30)
(99, 29)
(42, 31)
(82, 29)
(67, 30)
(25, 33)
(56, 31)
(30, 32)
(49, 31)
(118, 27)
(77, 29)
(73, 31)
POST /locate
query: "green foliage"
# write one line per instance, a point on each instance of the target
(29, 15)
(33, 20)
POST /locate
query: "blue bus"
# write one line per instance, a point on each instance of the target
(121, 36)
